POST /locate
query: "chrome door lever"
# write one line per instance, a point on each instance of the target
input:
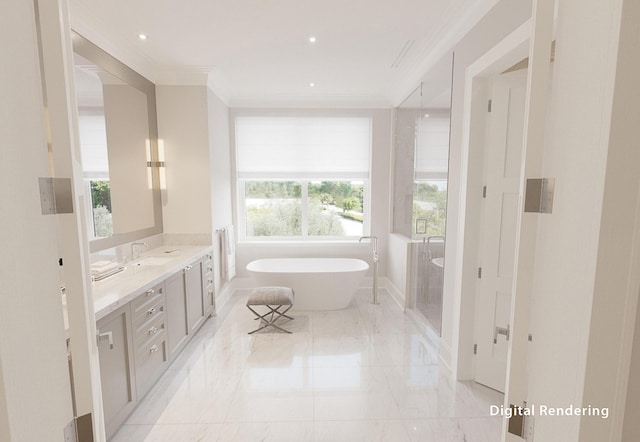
(500, 331)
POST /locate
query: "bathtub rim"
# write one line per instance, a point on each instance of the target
(363, 265)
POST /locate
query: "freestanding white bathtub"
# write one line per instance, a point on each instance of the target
(318, 283)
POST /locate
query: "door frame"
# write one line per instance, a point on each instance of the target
(505, 54)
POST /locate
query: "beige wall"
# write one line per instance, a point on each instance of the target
(221, 207)
(183, 127)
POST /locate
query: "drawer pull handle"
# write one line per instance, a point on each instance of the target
(210, 269)
(187, 268)
(150, 292)
(153, 330)
(151, 311)
(153, 349)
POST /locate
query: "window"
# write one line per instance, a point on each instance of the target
(430, 176)
(303, 177)
(95, 166)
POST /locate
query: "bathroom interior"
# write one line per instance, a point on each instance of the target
(169, 188)
(128, 150)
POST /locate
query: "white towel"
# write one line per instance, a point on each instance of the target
(103, 267)
(230, 240)
(228, 253)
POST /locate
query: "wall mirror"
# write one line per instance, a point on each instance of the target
(420, 188)
(117, 124)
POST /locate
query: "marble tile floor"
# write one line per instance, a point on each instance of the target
(360, 374)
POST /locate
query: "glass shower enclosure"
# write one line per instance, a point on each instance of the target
(420, 188)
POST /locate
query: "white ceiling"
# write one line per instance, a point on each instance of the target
(257, 52)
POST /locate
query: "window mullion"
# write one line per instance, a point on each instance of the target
(305, 208)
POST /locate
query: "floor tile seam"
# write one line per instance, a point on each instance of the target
(373, 419)
(270, 421)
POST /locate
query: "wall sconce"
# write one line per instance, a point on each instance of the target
(160, 164)
(149, 165)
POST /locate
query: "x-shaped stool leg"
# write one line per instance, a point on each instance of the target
(271, 321)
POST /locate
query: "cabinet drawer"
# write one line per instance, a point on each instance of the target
(148, 312)
(207, 266)
(151, 360)
(146, 299)
(150, 329)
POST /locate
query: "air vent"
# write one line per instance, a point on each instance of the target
(402, 54)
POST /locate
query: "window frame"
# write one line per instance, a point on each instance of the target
(305, 237)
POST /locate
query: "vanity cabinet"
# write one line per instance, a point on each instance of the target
(138, 341)
(115, 347)
(188, 304)
(151, 351)
(209, 299)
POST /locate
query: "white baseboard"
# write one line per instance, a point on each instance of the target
(396, 294)
(238, 283)
(224, 296)
(444, 354)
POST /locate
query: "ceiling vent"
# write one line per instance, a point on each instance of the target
(402, 54)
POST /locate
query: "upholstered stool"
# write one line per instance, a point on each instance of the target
(274, 298)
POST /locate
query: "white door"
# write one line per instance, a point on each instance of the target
(502, 180)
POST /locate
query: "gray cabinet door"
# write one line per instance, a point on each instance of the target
(177, 326)
(195, 300)
(116, 367)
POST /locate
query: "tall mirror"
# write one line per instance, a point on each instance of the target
(422, 147)
(118, 141)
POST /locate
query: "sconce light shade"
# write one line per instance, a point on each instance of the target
(160, 164)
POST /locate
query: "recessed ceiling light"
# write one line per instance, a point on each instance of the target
(312, 39)
(312, 84)
(142, 36)
(426, 115)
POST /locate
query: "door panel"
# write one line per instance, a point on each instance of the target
(503, 154)
(507, 248)
(177, 327)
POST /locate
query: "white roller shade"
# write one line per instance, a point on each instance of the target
(432, 149)
(303, 147)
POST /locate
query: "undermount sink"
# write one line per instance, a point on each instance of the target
(153, 261)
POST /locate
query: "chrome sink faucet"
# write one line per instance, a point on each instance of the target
(133, 249)
(374, 243)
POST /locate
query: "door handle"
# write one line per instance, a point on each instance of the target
(108, 336)
(500, 331)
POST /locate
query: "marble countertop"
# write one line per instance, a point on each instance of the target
(142, 274)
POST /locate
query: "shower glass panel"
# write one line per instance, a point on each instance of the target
(428, 117)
